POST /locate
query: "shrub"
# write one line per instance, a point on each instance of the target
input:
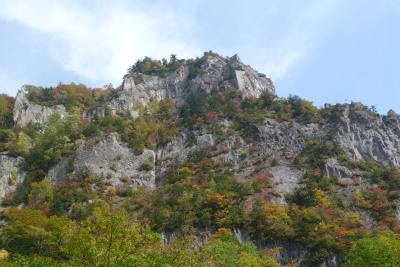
(382, 250)
(6, 107)
(31, 232)
(146, 166)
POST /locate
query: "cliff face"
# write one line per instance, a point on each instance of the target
(271, 151)
(364, 135)
(214, 73)
(25, 112)
(12, 174)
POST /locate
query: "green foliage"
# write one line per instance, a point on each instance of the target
(6, 107)
(150, 66)
(205, 109)
(376, 201)
(109, 239)
(198, 195)
(332, 113)
(317, 152)
(41, 195)
(35, 261)
(269, 222)
(156, 126)
(146, 166)
(70, 95)
(225, 251)
(53, 144)
(31, 232)
(18, 144)
(380, 251)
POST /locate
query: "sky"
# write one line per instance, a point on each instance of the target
(326, 51)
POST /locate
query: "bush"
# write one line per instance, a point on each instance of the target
(382, 250)
(31, 232)
(146, 166)
(35, 261)
(6, 114)
(70, 95)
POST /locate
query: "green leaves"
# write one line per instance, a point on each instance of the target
(225, 251)
(31, 232)
(109, 239)
(6, 106)
(380, 251)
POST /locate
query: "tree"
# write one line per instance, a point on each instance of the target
(6, 106)
(19, 144)
(41, 194)
(225, 251)
(32, 232)
(379, 251)
(109, 238)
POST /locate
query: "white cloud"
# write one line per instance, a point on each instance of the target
(98, 40)
(101, 40)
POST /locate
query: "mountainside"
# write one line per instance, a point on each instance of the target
(199, 146)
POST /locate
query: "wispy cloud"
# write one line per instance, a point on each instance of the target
(100, 40)
(304, 32)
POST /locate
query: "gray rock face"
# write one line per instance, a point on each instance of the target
(365, 135)
(285, 180)
(93, 113)
(215, 72)
(114, 161)
(290, 254)
(139, 89)
(11, 174)
(25, 112)
(334, 168)
(58, 172)
(287, 138)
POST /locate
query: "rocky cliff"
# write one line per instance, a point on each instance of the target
(26, 112)
(267, 147)
(12, 174)
(214, 72)
(365, 135)
(109, 159)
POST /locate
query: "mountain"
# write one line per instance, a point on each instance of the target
(193, 146)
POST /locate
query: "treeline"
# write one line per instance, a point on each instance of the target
(107, 238)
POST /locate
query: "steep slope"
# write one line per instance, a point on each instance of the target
(191, 146)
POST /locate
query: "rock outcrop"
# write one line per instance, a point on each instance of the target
(365, 135)
(215, 72)
(12, 174)
(25, 112)
(110, 159)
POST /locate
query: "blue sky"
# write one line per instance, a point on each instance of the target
(327, 51)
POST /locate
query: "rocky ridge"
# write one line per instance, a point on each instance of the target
(215, 72)
(26, 112)
(362, 134)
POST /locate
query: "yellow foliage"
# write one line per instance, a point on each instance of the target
(4, 255)
(322, 198)
(13, 178)
(358, 197)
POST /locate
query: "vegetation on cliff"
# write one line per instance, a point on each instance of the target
(191, 218)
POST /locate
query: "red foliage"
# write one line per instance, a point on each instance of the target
(264, 178)
(212, 117)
